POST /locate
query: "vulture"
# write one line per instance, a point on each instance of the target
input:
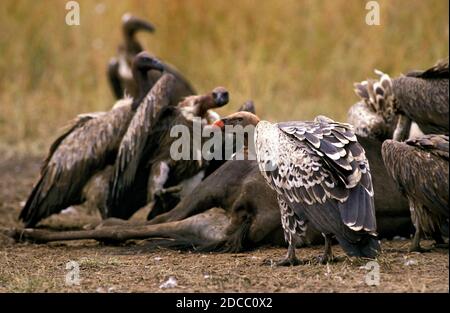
(144, 166)
(419, 96)
(89, 144)
(321, 176)
(234, 210)
(419, 167)
(119, 68)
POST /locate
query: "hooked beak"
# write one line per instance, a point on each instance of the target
(131, 24)
(157, 65)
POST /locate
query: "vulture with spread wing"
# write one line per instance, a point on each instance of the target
(144, 166)
(88, 145)
(321, 176)
(419, 166)
(119, 68)
(420, 96)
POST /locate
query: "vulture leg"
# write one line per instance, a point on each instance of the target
(401, 131)
(328, 254)
(290, 228)
(291, 259)
(415, 244)
(159, 174)
(439, 241)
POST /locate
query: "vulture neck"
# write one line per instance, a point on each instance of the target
(132, 46)
(205, 104)
(143, 83)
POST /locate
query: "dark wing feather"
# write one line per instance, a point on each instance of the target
(133, 143)
(439, 70)
(420, 168)
(88, 145)
(325, 163)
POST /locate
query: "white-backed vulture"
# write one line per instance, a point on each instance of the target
(420, 96)
(119, 68)
(321, 176)
(89, 143)
(144, 165)
(420, 166)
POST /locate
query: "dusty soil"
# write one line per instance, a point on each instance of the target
(26, 267)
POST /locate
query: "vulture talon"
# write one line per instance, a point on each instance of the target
(284, 262)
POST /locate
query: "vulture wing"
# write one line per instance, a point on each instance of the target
(134, 141)
(321, 164)
(88, 144)
(420, 168)
(439, 70)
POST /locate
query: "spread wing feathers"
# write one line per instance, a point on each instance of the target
(84, 148)
(317, 162)
(133, 143)
(378, 95)
(420, 168)
(368, 123)
(439, 70)
(422, 98)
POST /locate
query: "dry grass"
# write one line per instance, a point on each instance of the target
(296, 59)
(29, 267)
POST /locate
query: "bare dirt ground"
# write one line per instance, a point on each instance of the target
(26, 267)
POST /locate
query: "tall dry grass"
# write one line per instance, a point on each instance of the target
(295, 58)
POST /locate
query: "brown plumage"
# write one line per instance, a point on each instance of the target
(419, 96)
(86, 147)
(144, 165)
(119, 68)
(322, 176)
(420, 167)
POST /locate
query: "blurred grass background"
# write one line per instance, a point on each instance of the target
(294, 58)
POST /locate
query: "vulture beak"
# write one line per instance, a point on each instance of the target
(157, 65)
(132, 24)
(144, 25)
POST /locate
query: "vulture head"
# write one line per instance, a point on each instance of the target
(248, 106)
(200, 104)
(143, 63)
(132, 24)
(219, 96)
(242, 118)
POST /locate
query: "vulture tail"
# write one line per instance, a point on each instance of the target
(368, 246)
